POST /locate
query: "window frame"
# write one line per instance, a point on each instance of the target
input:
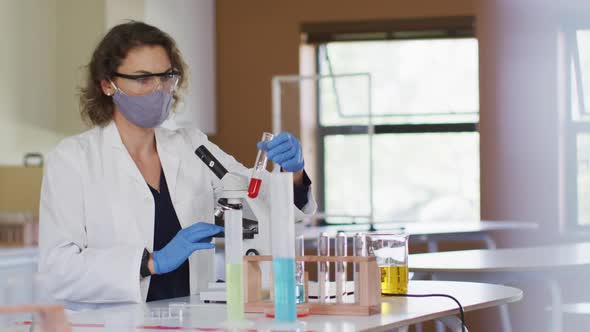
(573, 127)
(320, 34)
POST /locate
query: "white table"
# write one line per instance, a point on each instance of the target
(531, 259)
(396, 313)
(509, 266)
(17, 268)
(430, 232)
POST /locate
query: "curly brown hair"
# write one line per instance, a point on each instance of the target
(96, 108)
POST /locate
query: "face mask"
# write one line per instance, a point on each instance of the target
(146, 111)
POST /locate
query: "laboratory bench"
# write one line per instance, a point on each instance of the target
(396, 313)
(430, 233)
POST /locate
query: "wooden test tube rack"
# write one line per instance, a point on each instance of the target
(369, 300)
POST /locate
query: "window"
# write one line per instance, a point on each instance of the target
(425, 104)
(578, 131)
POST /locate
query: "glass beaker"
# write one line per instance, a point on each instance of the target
(391, 251)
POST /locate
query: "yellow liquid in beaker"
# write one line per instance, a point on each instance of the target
(394, 279)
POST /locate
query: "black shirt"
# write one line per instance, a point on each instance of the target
(166, 225)
(300, 192)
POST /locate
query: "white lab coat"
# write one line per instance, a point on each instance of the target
(97, 213)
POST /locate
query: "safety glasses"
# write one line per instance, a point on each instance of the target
(147, 83)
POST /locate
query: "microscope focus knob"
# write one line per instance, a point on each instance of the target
(252, 252)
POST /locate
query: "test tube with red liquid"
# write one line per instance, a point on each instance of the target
(259, 167)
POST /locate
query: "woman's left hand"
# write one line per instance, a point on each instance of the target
(285, 150)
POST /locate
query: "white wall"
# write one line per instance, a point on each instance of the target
(80, 25)
(192, 25)
(28, 103)
(117, 11)
(45, 45)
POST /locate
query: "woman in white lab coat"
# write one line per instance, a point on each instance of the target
(126, 210)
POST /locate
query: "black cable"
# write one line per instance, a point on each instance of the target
(438, 295)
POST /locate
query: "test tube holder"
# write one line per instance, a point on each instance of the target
(369, 297)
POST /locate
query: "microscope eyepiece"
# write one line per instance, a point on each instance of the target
(210, 161)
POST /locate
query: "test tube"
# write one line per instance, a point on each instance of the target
(340, 250)
(323, 267)
(283, 245)
(234, 276)
(300, 270)
(259, 167)
(359, 248)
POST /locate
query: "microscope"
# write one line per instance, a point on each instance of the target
(253, 237)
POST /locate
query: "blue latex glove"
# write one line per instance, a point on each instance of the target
(285, 150)
(185, 242)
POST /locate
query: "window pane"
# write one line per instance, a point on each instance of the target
(346, 175)
(344, 100)
(583, 147)
(430, 176)
(413, 81)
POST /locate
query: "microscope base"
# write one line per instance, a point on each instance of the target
(214, 294)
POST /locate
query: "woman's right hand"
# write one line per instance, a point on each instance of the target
(185, 242)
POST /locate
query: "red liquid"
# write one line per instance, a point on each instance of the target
(254, 187)
(301, 312)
